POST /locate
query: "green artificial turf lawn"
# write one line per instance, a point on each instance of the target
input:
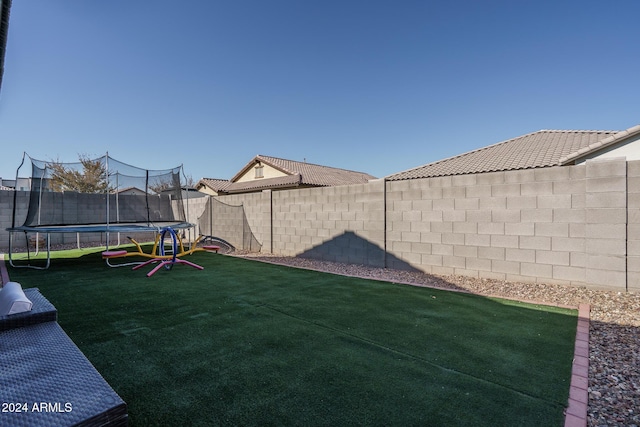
(247, 343)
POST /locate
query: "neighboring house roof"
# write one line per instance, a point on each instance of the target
(535, 150)
(263, 184)
(128, 190)
(5, 5)
(600, 145)
(217, 185)
(298, 174)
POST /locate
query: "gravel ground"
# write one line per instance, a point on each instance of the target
(614, 338)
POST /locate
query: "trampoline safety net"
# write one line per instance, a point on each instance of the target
(229, 223)
(102, 191)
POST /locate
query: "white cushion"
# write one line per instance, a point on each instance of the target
(13, 300)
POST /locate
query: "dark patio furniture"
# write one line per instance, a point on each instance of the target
(45, 380)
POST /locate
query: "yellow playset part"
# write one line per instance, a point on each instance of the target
(156, 252)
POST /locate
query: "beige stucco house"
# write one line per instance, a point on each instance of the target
(265, 172)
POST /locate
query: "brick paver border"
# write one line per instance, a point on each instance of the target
(576, 413)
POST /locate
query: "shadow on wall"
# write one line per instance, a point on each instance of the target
(350, 248)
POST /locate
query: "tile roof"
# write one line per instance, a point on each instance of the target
(298, 174)
(124, 190)
(534, 150)
(599, 145)
(218, 185)
(317, 174)
(264, 184)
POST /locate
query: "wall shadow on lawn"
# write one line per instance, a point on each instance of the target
(349, 248)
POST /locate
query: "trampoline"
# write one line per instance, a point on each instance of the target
(78, 229)
(102, 196)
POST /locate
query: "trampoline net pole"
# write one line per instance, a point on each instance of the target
(106, 192)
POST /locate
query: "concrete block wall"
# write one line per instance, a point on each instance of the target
(6, 212)
(633, 226)
(343, 223)
(606, 224)
(257, 210)
(570, 225)
(193, 208)
(564, 225)
(22, 201)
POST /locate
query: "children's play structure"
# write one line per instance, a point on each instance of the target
(160, 254)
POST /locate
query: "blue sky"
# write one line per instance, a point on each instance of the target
(368, 85)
